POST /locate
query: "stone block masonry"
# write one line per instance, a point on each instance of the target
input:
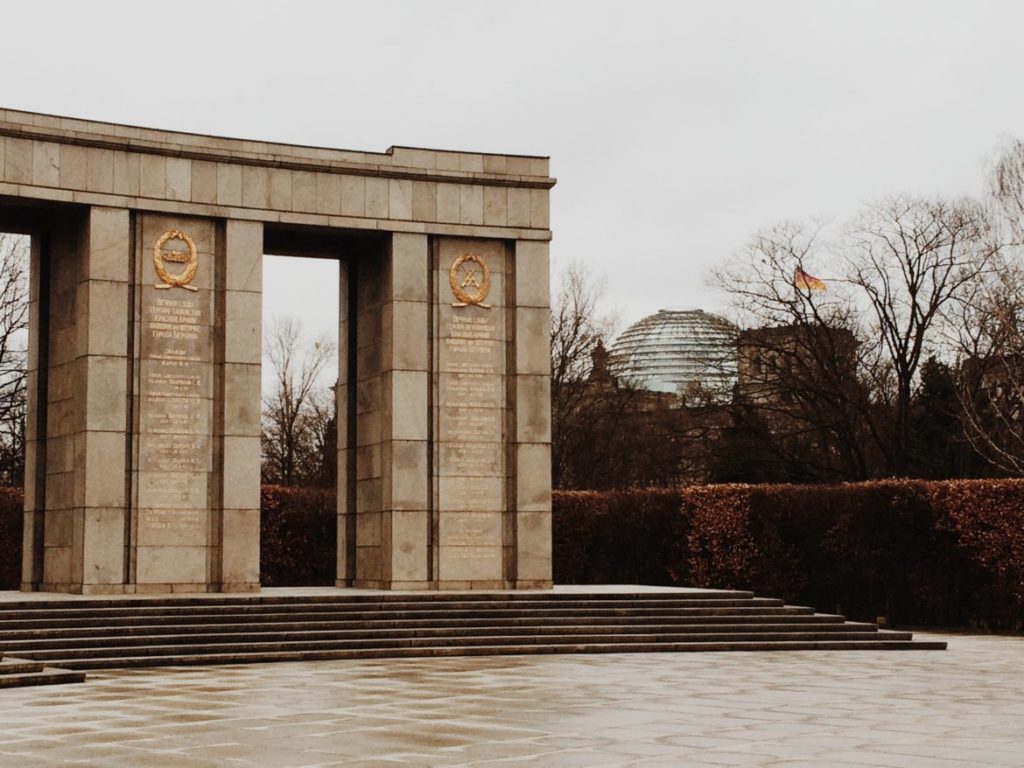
(143, 449)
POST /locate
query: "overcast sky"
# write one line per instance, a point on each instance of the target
(676, 129)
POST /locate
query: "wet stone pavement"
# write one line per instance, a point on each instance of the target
(958, 709)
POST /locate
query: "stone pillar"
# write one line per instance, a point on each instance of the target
(102, 376)
(532, 416)
(392, 419)
(240, 294)
(35, 420)
(344, 394)
(474, 327)
(371, 535)
(405, 436)
(76, 453)
(64, 416)
(177, 479)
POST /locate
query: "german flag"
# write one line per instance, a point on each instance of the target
(806, 282)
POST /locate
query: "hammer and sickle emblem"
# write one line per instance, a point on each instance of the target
(470, 278)
(163, 255)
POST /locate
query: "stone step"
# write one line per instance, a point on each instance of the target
(73, 610)
(47, 676)
(102, 634)
(256, 633)
(385, 615)
(247, 645)
(16, 666)
(256, 624)
(17, 605)
(496, 650)
(21, 673)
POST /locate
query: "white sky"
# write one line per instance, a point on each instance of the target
(676, 129)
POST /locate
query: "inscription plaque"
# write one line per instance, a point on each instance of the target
(471, 461)
(175, 412)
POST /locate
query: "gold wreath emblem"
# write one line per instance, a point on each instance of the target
(162, 256)
(470, 278)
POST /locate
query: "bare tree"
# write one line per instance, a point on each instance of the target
(840, 373)
(800, 410)
(577, 324)
(1006, 187)
(606, 432)
(294, 411)
(14, 251)
(988, 330)
(990, 338)
(914, 261)
(322, 422)
(577, 328)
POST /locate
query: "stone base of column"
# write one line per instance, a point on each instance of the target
(241, 586)
(528, 584)
(495, 584)
(412, 586)
(371, 584)
(106, 589)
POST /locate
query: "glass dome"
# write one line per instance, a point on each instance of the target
(684, 351)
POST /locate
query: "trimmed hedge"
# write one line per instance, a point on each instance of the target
(620, 537)
(298, 534)
(297, 540)
(931, 553)
(12, 521)
(939, 553)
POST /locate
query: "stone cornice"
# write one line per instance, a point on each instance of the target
(397, 163)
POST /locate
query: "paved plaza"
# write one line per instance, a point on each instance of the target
(960, 708)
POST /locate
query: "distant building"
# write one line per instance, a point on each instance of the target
(690, 353)
(773, 363)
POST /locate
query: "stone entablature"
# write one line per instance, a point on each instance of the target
(413, 190)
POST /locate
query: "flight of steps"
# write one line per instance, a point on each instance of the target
(89, 634)
(18, 673)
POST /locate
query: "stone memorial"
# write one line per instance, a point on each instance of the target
(143, 434)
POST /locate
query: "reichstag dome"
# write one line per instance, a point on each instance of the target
(683, 351)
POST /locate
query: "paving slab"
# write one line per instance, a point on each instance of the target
(959, 709)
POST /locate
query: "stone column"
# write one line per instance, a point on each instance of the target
(239, 431)
(35, 421)
(102, 383)
(392, 416)
(76, 489)
(178, 424)
(473, 327)
(345, 417)
(371, 535)
(532, 416)
(405, 434)
(56, 448)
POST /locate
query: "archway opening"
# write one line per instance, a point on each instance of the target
(15, 250)
(299, 420)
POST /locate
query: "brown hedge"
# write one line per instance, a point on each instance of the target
(940, 553)
(298, 531)
(297, 541)
(11, 521)
(627, 537)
